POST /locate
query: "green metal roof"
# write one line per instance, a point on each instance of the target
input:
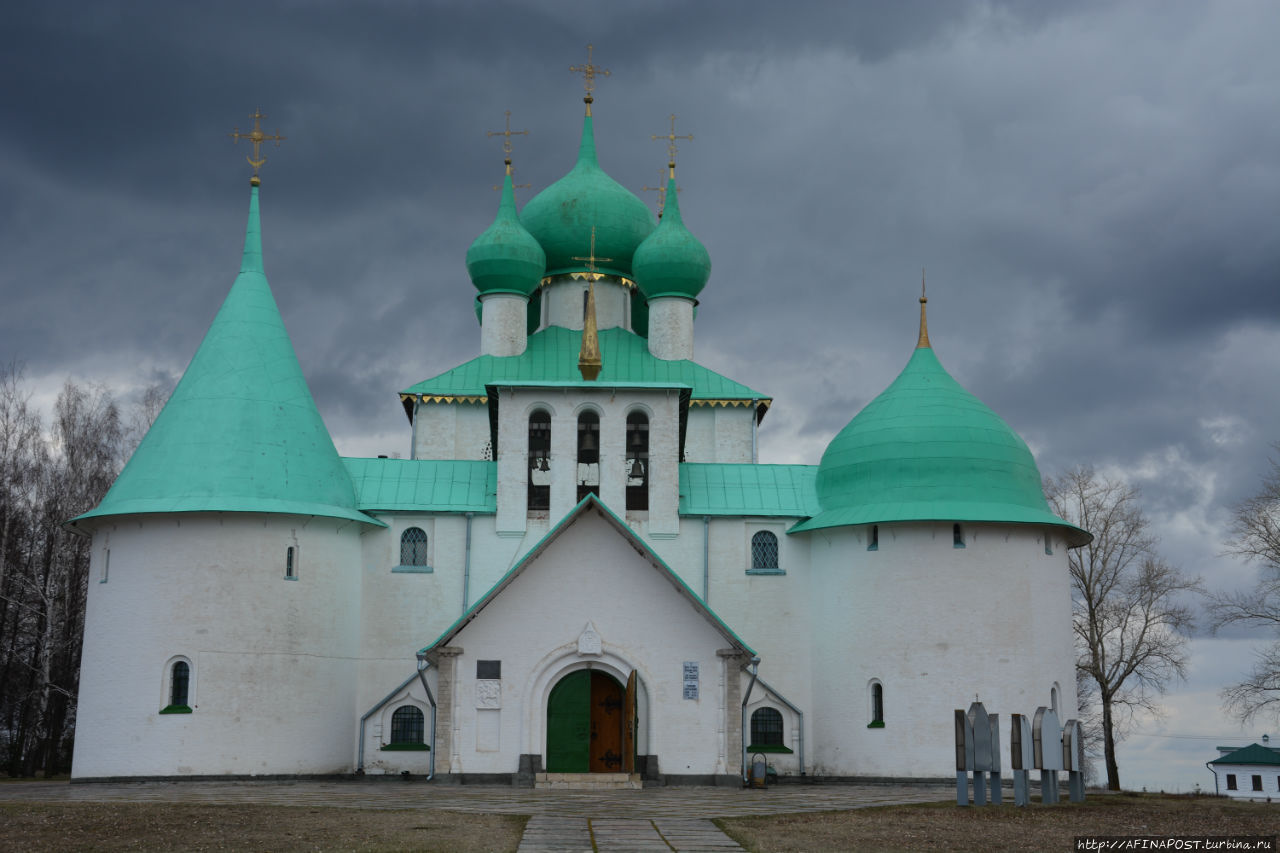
(425, 485)
(241, 432)
(671, 261)
(506, 258)
(718, 488)
(590, 502)
(562, 217)
(552, 356)
(1254, 753)
(927, 449)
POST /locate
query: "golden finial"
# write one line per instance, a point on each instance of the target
(589, 362)
(257, 137)
(589, 73)
(923, 343)
(506, 137)
(661, 190)
(671, 138)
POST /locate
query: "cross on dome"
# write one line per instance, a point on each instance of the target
(257, 137)
(589, 72)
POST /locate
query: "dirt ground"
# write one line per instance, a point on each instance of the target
(163, 827)
(1002, 828)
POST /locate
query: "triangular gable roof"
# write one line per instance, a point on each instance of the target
(588, 504)
(1254, 753)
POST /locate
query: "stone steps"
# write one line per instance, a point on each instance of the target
(587, 781)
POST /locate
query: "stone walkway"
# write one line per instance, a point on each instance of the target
(662, 819)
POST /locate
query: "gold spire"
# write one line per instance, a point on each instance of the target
(589, 362)
(589, 73)
(923, 343)
(257, 137)
(661, 190)
(671, 138)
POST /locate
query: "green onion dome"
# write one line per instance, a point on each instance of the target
(671, 261)
(928, 450)
(506, 258)
(561, 217)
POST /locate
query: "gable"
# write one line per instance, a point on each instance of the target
(589, 563)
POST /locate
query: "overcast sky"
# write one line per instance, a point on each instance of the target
(1093, 188)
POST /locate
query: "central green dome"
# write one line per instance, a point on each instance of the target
(561, 217)
(928, 450)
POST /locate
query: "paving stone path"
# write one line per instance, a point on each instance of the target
(662, 819)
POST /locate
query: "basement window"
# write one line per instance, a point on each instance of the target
(766, 731)
(407, 728)
(179, 691)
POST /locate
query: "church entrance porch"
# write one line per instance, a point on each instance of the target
(591, 724)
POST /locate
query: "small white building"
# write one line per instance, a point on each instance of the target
(582, 567)
(1247, 773)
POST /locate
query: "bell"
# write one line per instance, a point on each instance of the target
(637, 469)
(635, 438)
(588, 441)
(542, 464)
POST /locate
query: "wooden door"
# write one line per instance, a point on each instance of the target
(607, 721)
(629, 726)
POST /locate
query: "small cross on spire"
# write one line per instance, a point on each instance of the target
(591, 260)
(661, 190)
(589, 72)
(257, 137)
(671, 138)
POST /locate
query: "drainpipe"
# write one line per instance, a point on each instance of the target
(706, 559)
(466, 566)
(755, 425)
(742, 721)
(374, 710)
(799, 717)
(423, 663)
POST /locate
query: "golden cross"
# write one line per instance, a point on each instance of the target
(671, 141)
(257, 137)
(589, 73)
(661, 190)
(591, 260)
(507, 134)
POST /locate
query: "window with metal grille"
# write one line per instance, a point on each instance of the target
(764, 550)
(179, 680)
(413, 547)
(407, 725)
(766, 727)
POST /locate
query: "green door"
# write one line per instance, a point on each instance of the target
(569, 723)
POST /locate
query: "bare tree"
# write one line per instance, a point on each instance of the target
(1255, 536)
(1130, 622)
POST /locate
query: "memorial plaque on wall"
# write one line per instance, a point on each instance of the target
(691, 679)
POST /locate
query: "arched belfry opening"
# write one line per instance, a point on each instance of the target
(588, 454)
(591, 724)
(539, 461)
(637, 461)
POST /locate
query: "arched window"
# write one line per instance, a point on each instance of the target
(957, 536)
(588, 454)
(179, 683)
(413, 547)
(290, 564)
(637, 461)
(407, 725)
(873, 538)
(539, 461)
(764, 550)
(766, 727)
(877, 706)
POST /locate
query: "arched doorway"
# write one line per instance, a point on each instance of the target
(591, 724)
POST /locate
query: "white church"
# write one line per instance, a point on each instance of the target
(581, 568)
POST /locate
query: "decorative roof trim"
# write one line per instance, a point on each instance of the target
(441, 398)
(585, 275)
(762, 402)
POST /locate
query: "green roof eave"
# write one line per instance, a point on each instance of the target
(587, 503)
(425, 485)
(748, 489)
(190, 504)
(950, 511)
(552, 356)
(1254, 753)
(583, 383)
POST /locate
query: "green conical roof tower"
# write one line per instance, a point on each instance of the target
(241, 432)
(561, 217)
(506, 258)
(671, 261)
(928, 450)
